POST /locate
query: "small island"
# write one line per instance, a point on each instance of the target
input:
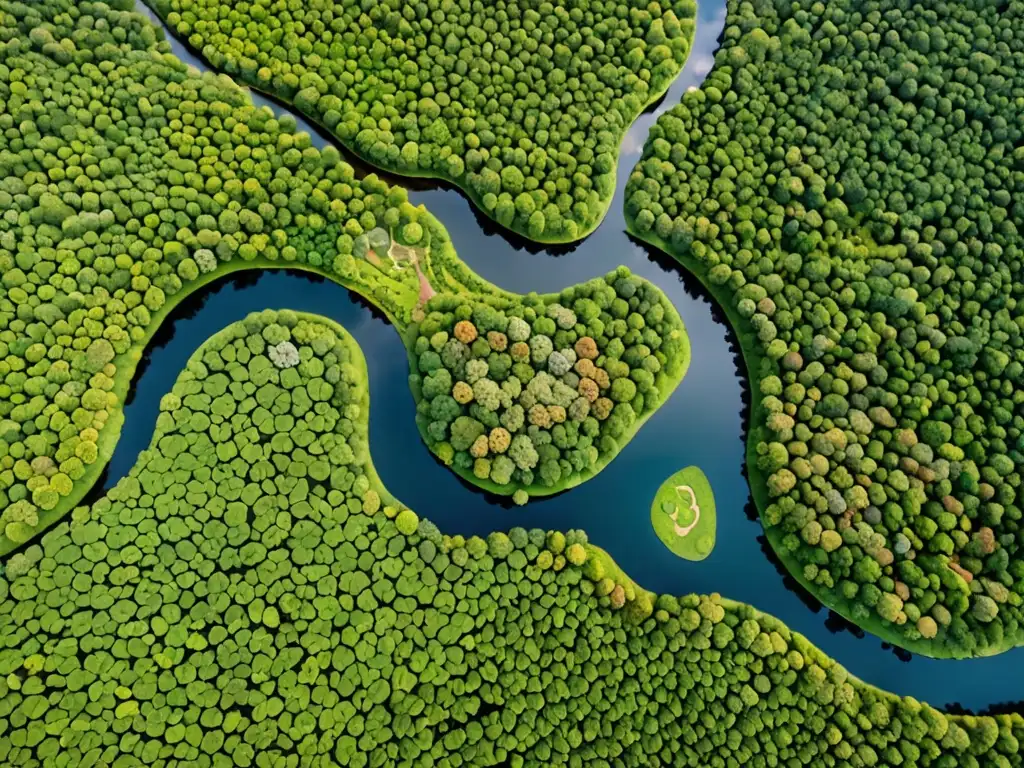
(530, 395)
(683, 514)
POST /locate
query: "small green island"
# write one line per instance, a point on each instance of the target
(683, 514)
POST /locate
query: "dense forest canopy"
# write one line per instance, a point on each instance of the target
(129, 182)
(249, 594)
(535, 394)
(850, 179)
(126, 182)
(521, 103)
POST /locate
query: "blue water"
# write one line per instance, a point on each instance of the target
(702, 423)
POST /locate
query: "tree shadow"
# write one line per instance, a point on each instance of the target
(99, 489)
(325, 137)
(189, 307)
(695, 289)
(519, 243)
(1001, 708)
(186, 309)
(414, 184)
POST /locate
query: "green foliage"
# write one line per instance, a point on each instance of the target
(114, 210)
(848, 179)
(523, 106)
(538, 393)
(200, 182)
(210, 610)
(407, 522)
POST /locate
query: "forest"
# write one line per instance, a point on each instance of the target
(538, 393)
(251, 594)
(118, 207)
(522, 104)
(850, 182)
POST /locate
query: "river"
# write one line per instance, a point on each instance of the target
(702, 423)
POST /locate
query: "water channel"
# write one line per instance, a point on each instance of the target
(702, 423)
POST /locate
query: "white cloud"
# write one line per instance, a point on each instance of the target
(702, 63)
(633, 144)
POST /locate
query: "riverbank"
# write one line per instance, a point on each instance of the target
(756, 432)
(743, 564)
(327, 522)
(656, 94)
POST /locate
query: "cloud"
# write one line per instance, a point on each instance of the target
(633, 144)
(702, 63)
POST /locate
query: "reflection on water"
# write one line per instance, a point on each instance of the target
(702, 423)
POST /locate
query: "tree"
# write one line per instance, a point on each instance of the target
(412, 233)
(438, 382)
(522, 452)
(512, 180)
(890, 607)
(464, 432)
(984, 608)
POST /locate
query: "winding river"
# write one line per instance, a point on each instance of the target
(701, 424)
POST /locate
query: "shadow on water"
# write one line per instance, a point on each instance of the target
(105, 482)
(1002, 708)
(418, 187)
(187, 309)
(702, 423)
(835, 622)
(514, 242)
(321, 137)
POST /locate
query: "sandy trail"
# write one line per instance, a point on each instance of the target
(682, 530)
(404, 253)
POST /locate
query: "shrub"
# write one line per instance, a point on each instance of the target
(407, 522)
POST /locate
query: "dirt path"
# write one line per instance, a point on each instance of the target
(681, 530)
(404, 253)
